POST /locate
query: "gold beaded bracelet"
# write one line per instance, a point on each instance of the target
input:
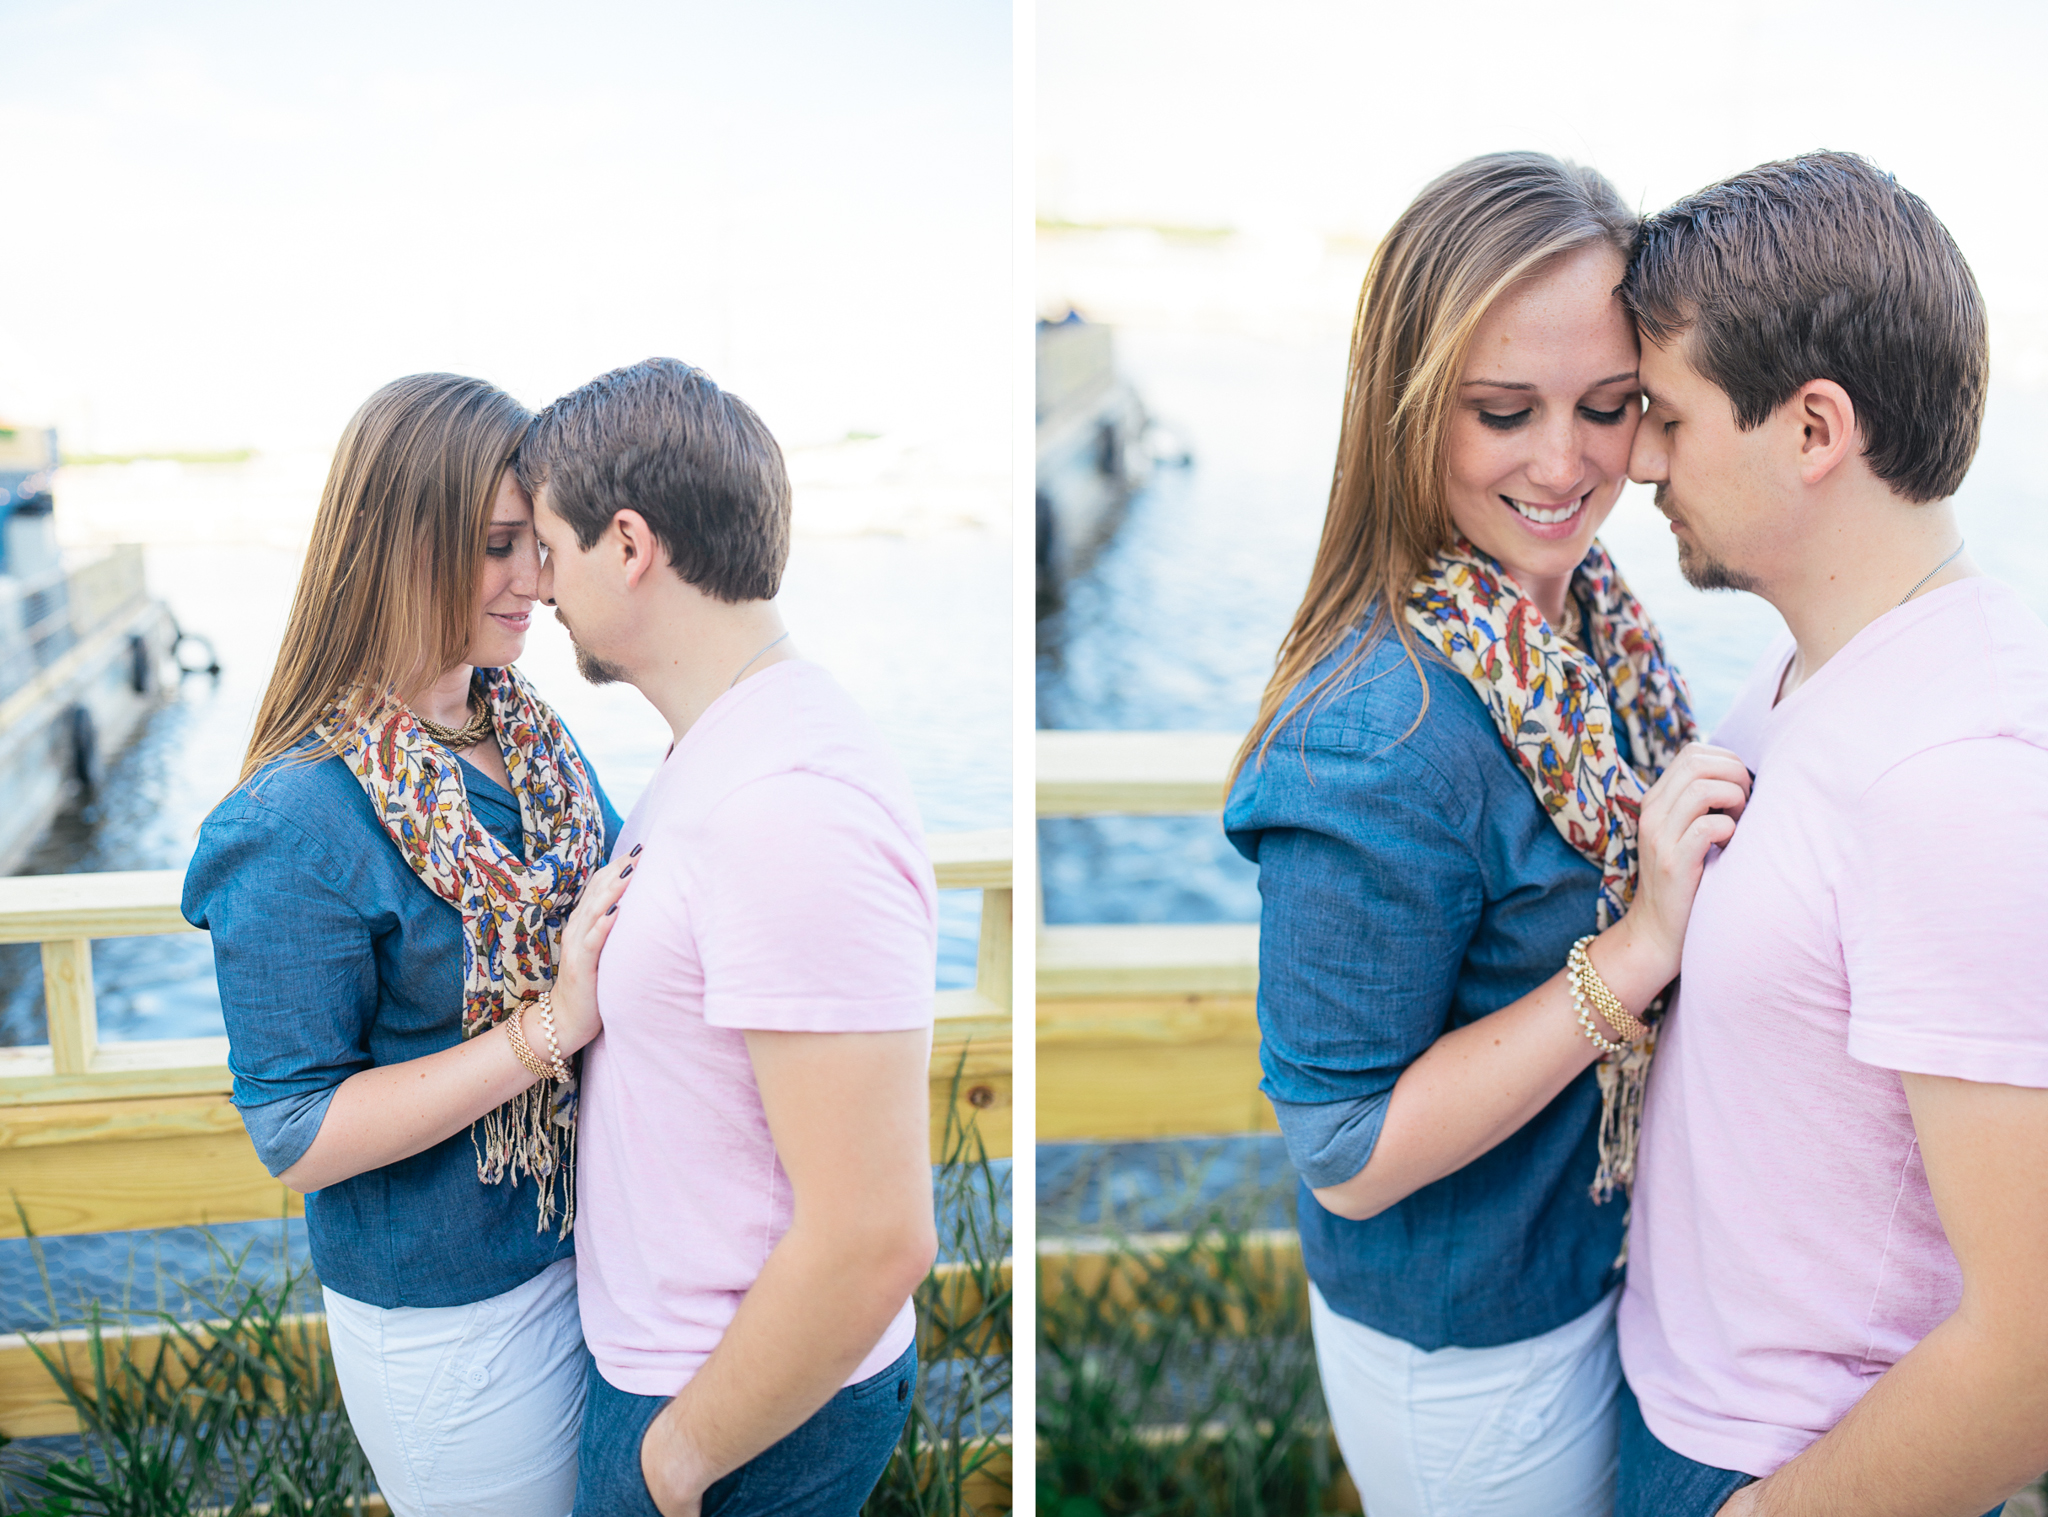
(1586, 985)
(521, 1049)
(560, 1070)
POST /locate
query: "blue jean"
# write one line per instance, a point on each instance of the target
(826, 1468)
(1656, 1481)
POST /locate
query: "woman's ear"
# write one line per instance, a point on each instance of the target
(1827, 419)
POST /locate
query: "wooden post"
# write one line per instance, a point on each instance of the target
(992, 961)
(67, 998)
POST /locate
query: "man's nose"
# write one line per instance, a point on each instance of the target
(1646, 460)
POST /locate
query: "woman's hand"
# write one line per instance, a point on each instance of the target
(1692, 808)
(583, 937)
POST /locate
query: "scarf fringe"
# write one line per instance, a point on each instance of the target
(534, 1133)
(1624, 1077)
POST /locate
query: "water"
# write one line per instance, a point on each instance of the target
(1175, 625)
(864, 606)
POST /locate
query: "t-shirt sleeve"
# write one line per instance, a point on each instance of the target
(819, 913)
(1944, 915)
(297, 973)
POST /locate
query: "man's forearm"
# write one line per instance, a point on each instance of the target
(1951, 1430)
(821, 1304)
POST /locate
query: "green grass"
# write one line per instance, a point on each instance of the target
(955, 1431)
(237, 1407)
(1176, 1376)
(1178, 1381)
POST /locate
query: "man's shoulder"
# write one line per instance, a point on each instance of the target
(799, 731)
(1973, 665)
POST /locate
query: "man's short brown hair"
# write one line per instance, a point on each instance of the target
(661, 438)
(1823, 267)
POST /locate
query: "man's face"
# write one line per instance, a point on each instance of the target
(572, 581)
(1714, 480)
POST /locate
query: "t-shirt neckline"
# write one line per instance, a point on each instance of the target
(1778, 703)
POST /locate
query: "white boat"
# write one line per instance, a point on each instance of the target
(84, 652)
(1092, 448)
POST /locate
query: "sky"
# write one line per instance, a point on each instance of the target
(229, 222)
(1326, 116)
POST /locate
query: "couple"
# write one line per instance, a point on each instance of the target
(415, 927)
(1488, 839)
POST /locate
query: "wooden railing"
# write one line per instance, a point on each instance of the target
(1144, 1031)
(103, 1136)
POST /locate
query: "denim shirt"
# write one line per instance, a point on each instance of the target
(332, 957)
(1410, 885)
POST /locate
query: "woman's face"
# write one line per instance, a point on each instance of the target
(1545, 415)
(511, 570)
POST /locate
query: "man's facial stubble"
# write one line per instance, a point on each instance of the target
(1701, 569)
(588, 664)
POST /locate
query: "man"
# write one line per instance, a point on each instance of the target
(1837, 1299)
(754, 1175)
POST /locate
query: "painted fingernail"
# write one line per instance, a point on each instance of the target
(636, 850)
(611, 908)
(627, 870)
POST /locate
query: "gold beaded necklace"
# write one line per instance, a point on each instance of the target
(479, 726)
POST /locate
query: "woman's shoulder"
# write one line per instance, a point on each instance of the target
(300, 787)
(305, 802)
(1372, 701)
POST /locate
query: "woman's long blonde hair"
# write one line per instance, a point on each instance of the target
(1463, 241)
(387, 598)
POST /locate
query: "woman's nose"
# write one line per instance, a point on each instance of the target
(526, 570)
(1556, 465)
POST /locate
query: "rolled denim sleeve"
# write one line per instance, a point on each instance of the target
(1329, 1141)
(297, 970)
(1370, 895)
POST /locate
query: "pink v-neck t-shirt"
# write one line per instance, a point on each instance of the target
(784, 886)
(1882, 907)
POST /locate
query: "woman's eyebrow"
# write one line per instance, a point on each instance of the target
(1515, 384)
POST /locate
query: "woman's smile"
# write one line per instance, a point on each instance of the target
(1552, 521)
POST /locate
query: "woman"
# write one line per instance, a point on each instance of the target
(389, 889)
(1442, 793)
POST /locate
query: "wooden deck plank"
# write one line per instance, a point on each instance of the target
(1088, 962)
(1153, 1067)
(1133, 773)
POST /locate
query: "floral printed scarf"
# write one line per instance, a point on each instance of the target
(512, 906)
(1556, 708)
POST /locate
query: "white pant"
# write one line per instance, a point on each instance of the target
(468, 1411)
(1513, 1431)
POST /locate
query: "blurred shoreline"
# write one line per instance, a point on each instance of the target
(891, 485)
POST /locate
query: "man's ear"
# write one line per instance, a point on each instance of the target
(639, 550)
(1827, 422)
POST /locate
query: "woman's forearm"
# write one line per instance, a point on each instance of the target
(379, 1116)
(1477, 1085)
